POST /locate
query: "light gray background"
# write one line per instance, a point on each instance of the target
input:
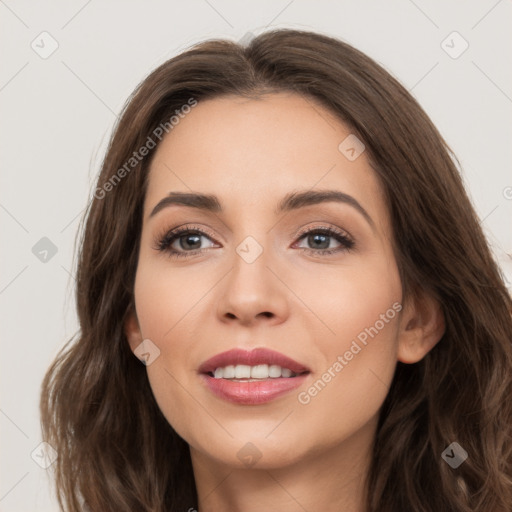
(58, 112)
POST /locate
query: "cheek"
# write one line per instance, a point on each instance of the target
(359, 356)
(168, 302)
(351, 299)
(165, 297)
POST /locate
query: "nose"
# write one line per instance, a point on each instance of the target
(253, 292)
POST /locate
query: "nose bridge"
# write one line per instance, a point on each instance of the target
(251, 288)
(250, 272)
(251, 231)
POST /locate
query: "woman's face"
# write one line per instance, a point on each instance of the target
(258, 270)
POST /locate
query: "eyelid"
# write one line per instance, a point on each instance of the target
(322, 226)
(184, 228)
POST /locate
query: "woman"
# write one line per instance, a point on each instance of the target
(280, 235)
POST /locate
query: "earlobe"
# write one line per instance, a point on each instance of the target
(132, 329)
(422, 326)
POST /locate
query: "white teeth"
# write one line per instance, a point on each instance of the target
(242, 371)
(274, 371)
(229, 372)
(259, 371)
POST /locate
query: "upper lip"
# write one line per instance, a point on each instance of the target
(251, 358)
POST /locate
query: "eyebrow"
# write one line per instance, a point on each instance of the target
(290, 202)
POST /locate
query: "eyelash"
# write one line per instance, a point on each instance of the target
(165, 240)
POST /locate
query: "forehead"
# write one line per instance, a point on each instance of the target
(254, 151)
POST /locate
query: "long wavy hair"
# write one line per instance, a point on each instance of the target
(116, 451)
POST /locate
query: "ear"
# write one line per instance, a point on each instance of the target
(132, 329)
(421, 327)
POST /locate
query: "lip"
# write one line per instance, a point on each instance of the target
(251, 358)
(252, 392)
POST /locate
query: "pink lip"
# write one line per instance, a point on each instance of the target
(252, 393)
(256, 392)
(251, 358)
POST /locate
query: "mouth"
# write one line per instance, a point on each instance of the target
(252, 377)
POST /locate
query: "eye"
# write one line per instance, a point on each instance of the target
(186, 241)
(320, 239)
(183, 241)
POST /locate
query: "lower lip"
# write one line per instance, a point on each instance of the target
(255, 392)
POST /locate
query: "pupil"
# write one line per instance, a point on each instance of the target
(319, 236)
(189, 237)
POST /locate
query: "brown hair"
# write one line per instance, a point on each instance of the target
(116, 451)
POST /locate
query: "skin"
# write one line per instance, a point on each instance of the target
(251, 153)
